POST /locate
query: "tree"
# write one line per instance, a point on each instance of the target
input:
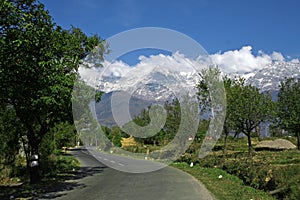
(39, 63)
(249, 108)
(10, 127)
(246, 107)
(204, 97)
(145, 127)
(212, 103)
(171, 127)
(116, 136)
(288, 107)
(229, 122)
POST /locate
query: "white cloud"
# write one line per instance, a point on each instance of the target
(88, 74)
(241, 60)
(129, 75)
(234, 61)
(176, 62)
(117, 69)
(277, 56)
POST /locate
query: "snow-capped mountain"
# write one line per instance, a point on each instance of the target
(269, 77)
(156, 80)
(158, 83)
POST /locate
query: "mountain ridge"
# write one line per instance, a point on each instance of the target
(159, 85)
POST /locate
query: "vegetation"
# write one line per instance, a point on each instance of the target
(246, 107)
(39, 62)
(222, 185)
(264, 174)
(289, 107)
(38, 68)
(275, 172)
(249, 108)
(60, 169)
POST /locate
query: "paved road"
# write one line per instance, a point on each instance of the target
(100, 182)
(126, 163)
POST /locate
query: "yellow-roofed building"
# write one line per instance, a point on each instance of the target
(127, 142)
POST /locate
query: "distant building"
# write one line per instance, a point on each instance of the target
(127, 142)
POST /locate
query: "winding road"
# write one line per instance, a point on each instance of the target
(100, 182)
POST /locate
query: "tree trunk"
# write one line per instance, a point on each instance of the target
(249, 143)
(298, 140)
(225, 143)
(35, 176)
(26, 151)
(258, 133)
(34, 164)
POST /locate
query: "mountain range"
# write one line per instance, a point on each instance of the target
(269, 77)
(159, 84)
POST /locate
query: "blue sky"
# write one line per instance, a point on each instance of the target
(218, 25)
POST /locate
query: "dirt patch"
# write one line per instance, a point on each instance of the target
(278, 144)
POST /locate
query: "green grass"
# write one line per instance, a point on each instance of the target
(272, 171)
(228, 187)
(286, 157)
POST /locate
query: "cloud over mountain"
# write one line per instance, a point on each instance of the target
(243, 60)
(231, 62)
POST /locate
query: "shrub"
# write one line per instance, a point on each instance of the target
(55, 165)
(283, 181)
(287, 180)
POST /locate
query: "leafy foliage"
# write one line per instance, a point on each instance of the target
(38, 66)
(212, 103)
(248, 108)
(9, 128)
(289, 107)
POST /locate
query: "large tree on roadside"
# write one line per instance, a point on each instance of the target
(10, 127)
(288, 107)
(38, 66)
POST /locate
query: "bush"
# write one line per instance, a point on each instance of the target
(284, 181)
(54, 165)
(254, 174)
(287, 179)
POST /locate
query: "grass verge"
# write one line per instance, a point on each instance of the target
(223, 185)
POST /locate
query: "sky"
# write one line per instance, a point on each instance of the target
(240, 34)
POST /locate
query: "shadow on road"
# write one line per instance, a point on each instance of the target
(51, 187)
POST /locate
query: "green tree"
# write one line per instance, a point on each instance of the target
(10, 127)
(288, 107)
(249, 108)
(246, 107)
(64, 135)
(229, 122)
(116, 136)
(171, 127)
(212, 103)
(149, 135)
(39, 63)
